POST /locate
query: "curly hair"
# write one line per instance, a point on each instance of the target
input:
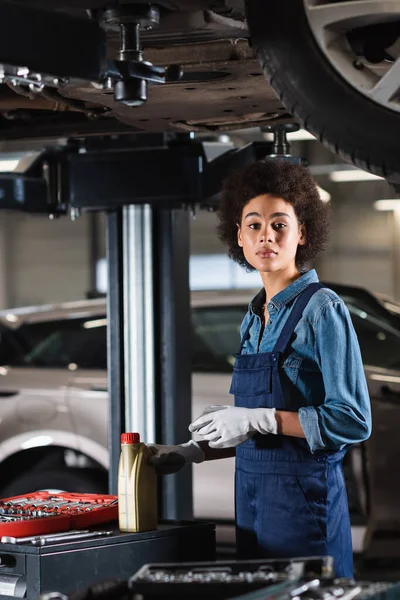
(282, 179)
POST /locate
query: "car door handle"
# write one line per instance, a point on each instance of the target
(95, 388)
(8, 393)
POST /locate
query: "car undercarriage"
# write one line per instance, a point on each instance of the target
(84, 67)
(221, 87)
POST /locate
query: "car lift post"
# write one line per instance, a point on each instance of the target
(141, 276)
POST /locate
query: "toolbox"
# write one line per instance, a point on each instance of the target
(45, 512)
(29, 570)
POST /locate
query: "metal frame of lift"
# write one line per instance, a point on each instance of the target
(146, 185)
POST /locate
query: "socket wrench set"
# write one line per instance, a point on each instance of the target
(41, 513)
(276, 579)
(224, 579)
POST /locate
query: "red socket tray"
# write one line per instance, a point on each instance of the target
(65, 518)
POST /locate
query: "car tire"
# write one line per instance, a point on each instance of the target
(69, 480)
(316, 95)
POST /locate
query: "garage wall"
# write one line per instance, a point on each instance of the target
(360, 250)
(47, 261)
(361, 242)
(203, 239)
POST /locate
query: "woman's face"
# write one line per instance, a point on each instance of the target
(269, 233)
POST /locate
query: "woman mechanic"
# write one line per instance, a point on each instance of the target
(300, 392)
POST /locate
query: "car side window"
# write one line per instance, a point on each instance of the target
(78, 343)
(11, 347)
(82, 343)
(215, 337)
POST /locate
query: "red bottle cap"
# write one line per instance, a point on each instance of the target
(130, 438)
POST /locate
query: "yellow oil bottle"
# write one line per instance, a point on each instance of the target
(137, 486)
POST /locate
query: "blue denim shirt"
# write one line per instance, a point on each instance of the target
(323, 362)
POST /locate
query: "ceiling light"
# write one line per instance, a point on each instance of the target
(8, 166)
(389, 378)
(11, 318)
(324, 195)
(17, 162)
(390, 204)
(95, 323)
(352, 175)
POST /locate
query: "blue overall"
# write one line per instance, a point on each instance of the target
(289, 502)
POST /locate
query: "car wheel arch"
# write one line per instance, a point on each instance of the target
(24, 451)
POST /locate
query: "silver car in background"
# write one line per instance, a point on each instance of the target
(54, 404)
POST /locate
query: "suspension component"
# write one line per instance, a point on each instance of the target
(130, 73)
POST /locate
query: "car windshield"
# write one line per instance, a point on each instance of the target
(82, 342)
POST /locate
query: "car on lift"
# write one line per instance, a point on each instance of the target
(54, 400)
(332, 66)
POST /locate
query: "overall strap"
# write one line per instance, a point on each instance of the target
(295, 316)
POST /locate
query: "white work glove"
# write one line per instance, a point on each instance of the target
(229, 426)
(171, 459)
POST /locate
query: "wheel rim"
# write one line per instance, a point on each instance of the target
(334, 22)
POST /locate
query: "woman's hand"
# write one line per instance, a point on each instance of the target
(171, 459)
(229, 426)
